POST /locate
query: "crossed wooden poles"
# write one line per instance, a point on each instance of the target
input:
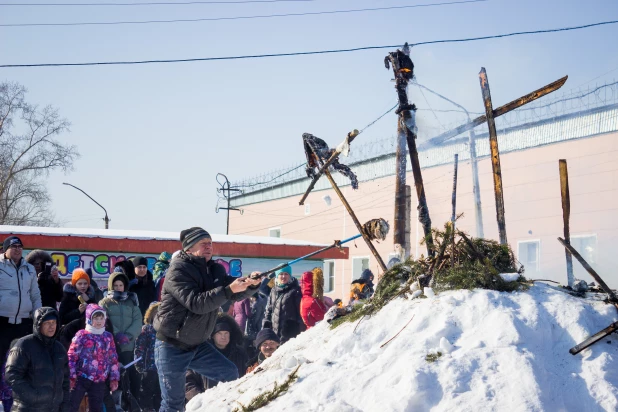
(403, 69)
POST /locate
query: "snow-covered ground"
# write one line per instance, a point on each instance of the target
(501, 352)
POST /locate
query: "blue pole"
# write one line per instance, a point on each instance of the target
(270, 273)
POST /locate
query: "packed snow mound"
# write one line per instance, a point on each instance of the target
(500, 352)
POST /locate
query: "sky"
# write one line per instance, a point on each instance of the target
(152, 138)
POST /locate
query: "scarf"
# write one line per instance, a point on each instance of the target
(114, 294)
(95, 331)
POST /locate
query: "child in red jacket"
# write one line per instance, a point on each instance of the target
(313, 306)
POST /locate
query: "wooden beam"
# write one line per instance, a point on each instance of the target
(566, 214)
(495, 156)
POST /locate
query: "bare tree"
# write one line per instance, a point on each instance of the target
(29, 151)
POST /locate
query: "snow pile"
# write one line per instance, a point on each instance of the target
(499, 352)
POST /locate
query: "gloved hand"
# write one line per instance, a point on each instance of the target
(122, 338)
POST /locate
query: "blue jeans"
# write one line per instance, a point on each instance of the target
(173, 362)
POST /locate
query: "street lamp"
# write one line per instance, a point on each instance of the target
(106, 219)
(473, 163)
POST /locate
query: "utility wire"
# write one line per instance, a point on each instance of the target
(180, 3)
(265, 16)
(257, 56)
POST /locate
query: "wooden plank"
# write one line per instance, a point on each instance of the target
(566, 214)
(495, 156)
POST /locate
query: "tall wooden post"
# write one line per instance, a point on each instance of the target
(566, 214)
(454, 205)
(403, 70)
(399, 236)
(495, 156)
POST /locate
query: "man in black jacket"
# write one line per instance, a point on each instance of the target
(194, 289)
(37, 368)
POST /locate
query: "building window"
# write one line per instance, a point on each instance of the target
(329, 276)
(586, 245)
(274, 232)
(528, 253)
(307, 208)
(358, 265)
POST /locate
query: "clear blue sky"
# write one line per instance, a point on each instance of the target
(153, 137)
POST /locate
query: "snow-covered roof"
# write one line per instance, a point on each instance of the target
(147, 235)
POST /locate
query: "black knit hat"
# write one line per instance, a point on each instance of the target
(10, 241)
(139, 261)
(264, 335)
(221, 325)
(190, 237)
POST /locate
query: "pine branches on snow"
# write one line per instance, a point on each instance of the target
(265, 398)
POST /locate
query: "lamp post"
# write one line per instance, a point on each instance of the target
(106, 219)
(473, 163)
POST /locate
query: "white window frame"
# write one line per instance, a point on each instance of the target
(327, 276)
(274, 228)
(356, 276)
(578, 270)
(538, 253)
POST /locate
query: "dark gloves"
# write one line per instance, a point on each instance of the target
(122, 338)
(267, 325)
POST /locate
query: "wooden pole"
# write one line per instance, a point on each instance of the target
(403, 70)
(409, 119)
(566, 214)
(399, 236)
(495, 155)
(454, 204)
(359, 226)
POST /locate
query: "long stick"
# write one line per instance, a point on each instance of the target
(589, 269)
(495, 156)
(336, 243)
(384, 344)
(355, 220)
(566, 214)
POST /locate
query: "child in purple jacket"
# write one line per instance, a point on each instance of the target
(92, 360)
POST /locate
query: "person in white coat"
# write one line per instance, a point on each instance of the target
(19, 294)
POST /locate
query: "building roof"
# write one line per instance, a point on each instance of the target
(142, 241)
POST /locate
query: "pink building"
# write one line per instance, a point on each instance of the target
(530, 151)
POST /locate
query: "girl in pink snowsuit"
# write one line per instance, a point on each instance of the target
(92, 361)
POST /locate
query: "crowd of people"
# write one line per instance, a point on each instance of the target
(150, 341)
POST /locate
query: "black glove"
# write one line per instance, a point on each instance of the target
(267, 325)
